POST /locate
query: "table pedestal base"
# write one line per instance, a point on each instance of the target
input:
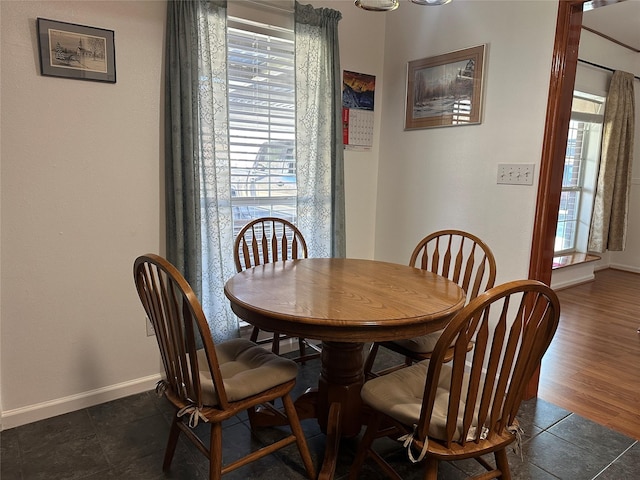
(341, 380)
(336, 403)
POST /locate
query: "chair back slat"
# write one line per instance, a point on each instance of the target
(493, 380)
(151, 304)
(179, 322)
(459, 271)
(469, 266)
(471, 415)
(446, 262)
(459, 256)
(266, 240)
(284, 249)
(177, 347)
(264, 246)
(511, 326)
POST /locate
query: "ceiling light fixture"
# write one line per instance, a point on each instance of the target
(378, 5)
(390, 5)
(431, 3)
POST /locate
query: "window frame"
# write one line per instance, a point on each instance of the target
(590, 151)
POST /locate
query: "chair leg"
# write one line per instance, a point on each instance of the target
(174, 433)
(431, 469)
(502, 463)
(296, 428)
(302, 348)
(215, 452)
(368, 364)
(369, 436)
(275, 344)
(254, 334)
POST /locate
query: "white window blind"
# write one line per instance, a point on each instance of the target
(261, 121)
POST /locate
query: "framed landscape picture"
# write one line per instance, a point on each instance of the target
(76, 51)
(445, 90)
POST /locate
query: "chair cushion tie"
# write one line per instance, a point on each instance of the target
(516, 430)
(195, 414)
(161, 387)
(484, 432)
(408, 440)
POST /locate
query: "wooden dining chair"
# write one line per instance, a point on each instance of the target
(467, 407)
(217, 381)
(457, 255)
(265, 240)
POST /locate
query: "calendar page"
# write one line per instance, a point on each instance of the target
(359, 128)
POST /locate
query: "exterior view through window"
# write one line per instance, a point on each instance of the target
(261, 122)
(580, 173)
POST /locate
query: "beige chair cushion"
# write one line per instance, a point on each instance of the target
(423, 344)
(246, 368)
(399, 395)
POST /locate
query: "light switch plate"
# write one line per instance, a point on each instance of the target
(515, 173)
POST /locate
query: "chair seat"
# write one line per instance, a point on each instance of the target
(247, 370)
(423, 344)
(400, 394)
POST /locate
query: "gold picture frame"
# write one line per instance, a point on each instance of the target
(445, 90)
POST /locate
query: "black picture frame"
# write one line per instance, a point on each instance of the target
(76, 51)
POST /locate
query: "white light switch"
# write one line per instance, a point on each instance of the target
(515, 173)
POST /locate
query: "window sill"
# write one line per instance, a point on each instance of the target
(568, 260)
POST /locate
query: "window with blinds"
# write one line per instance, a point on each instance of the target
(580, 173)
(260, 62)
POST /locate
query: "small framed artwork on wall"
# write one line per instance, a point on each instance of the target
(76, 51)
(445, 90)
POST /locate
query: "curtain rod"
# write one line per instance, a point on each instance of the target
(287, 7)
(602, 67)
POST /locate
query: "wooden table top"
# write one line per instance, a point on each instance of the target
(344, 300)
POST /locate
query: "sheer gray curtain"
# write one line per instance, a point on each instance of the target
(198, 190)
(609, 219)
(198, 187)
(319, 147)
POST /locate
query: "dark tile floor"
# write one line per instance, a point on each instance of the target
(125, 439)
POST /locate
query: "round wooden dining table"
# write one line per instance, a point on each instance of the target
(345, 303)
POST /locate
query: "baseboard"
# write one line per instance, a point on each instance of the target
(40, 411)
(625, 268)
(573, 282)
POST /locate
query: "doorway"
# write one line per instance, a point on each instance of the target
(563, 74)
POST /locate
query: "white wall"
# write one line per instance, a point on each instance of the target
(446, 177)
(82, 196)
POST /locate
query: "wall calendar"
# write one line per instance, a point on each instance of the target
(357, 110)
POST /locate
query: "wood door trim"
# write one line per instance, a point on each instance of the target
(563, 74)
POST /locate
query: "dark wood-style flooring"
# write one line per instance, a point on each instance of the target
(592, 367)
